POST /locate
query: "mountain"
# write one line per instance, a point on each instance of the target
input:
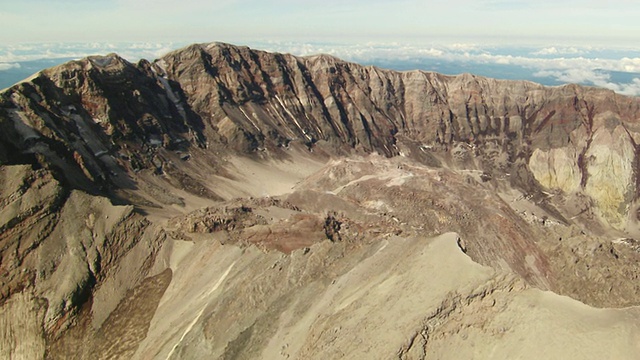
(232, 203)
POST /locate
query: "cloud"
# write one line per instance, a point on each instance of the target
(576, 76)
(9, 66)
(630, 64)
(463, 52)
(581, 65)
(130, 51)
(632, 88)
(558, 51)
(593, 77)
(563, 64)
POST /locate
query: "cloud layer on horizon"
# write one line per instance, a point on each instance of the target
(131, 51)
(8, 66)
(581, 65)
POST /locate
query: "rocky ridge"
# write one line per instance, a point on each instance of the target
(120, 179)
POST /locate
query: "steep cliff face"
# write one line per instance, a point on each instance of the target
(96, 117)
(601, 162)
(565, 137)
(114, 173)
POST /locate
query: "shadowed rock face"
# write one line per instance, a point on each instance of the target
(540, 184)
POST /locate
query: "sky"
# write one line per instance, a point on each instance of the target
(549, 41)
(611, 22)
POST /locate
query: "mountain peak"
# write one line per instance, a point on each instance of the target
(106, 61)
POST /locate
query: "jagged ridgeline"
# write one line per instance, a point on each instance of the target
(132, 195)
